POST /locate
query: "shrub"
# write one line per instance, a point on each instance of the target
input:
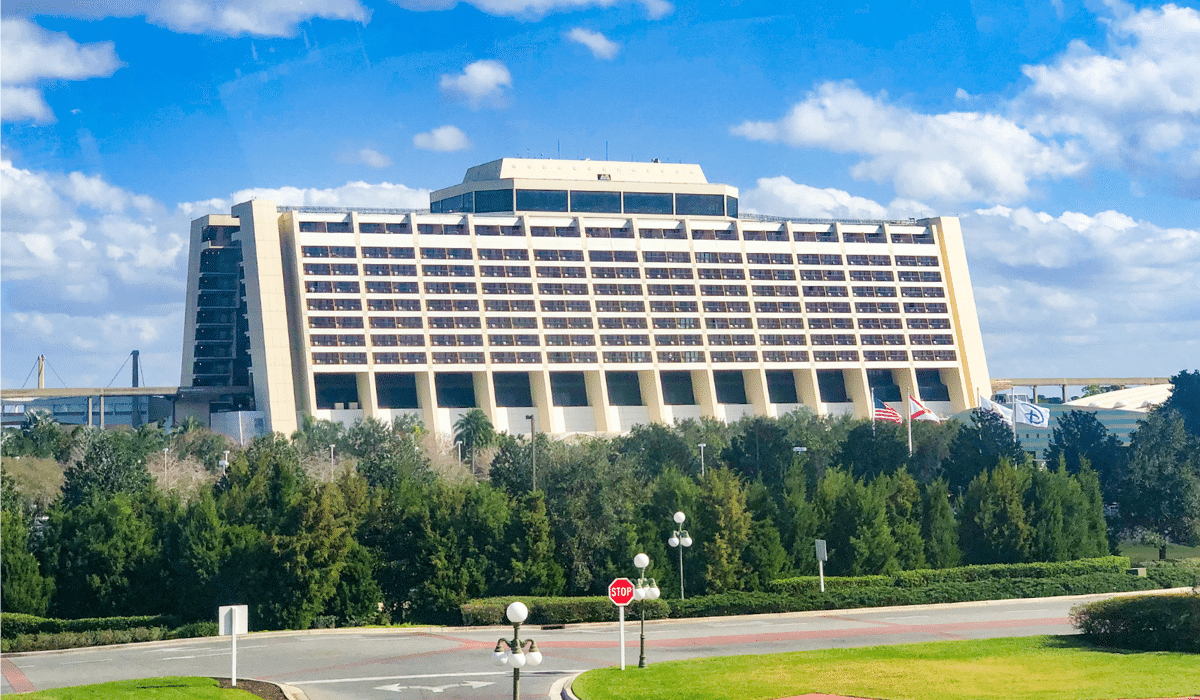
(961, 574)
(43, 641)
(13, 624)
(1174, 574)
(558, 611)
(1146, 623)
(194, 629)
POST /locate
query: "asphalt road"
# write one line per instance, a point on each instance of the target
(447, 663)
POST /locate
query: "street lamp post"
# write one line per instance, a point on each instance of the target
(680, 538)
(532, 450)
(702, 446)
(223, 463)
(458, 444)
(646, 589)
(513, 651)
(332, 468)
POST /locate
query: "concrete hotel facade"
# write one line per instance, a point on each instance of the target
(595, 295)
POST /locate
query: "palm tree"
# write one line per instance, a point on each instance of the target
(474, 430)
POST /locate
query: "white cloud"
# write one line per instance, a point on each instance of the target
(29, 54)
(275, 18)
(535, 8)
(600, 46)
(370, 158)
(481, 82)
(780, 196)
(443, 138)
(384, 195)
(1076, 294)
(958, 156)
(1135, 104)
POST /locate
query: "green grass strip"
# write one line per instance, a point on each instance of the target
(169, 688)
(1014, 668)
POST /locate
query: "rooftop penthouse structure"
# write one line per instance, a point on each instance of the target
(594, 295)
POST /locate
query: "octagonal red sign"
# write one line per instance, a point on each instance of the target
(620, 591)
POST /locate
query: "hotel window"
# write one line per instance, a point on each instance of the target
(883, 307)
(823, 307)
(874, 291)
(831, 323)
(316, 251)
(873, 276)
(316, 268)
(881, 323)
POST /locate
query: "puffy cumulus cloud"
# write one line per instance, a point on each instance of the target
(533, 9)
(480, 83)
(443, 138)
(29, 54)
(1076, 294)
(601, 46)
(780, 196)
(1137, 103)
(368, 157)
(383, 195)
(268, 18)
(958, 156)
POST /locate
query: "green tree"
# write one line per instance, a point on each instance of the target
(979, 447)
(836, 504)
(870, 450)
(1079, 436)
(1162, 492)
(994, 525)
(111, 463)
(939, 529)
(474, 430)
(1054, 536)
(761, 450)
(1095, 528)
(315, 436)
(201, 553)
(653, 447)
(533, 569)
(764, 559)
(25, 589)
(903, 502)
(722, 530)
(874, 546)
(1185, 398)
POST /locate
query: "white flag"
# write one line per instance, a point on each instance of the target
(1002, 411)
(917, 411)
(1030, 414)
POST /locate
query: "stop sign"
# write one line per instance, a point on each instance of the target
(620, 591)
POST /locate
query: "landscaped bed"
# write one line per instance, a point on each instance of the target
(169, 688)
(1014, 668)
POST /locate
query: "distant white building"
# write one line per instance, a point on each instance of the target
(594, 295)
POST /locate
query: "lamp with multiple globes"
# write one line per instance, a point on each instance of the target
(646, 589)
(516, 652)
(680, 539)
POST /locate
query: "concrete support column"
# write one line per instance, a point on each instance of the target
(858, 390)
(960, 399)
(807, 390)
(597, 396)
(906, 379)
(652, 394)
(89, 410)
(704, 390)
(755, 381)
(101, 410)
(485, 395)
(427, 400)
(543, 401)
(367, 400)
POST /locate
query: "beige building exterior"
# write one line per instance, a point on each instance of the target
(592, 295)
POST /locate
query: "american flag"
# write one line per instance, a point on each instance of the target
(885, 412)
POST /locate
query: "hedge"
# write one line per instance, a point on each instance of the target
(962, 574)
(21, 632)
(558, 611)
(546, 611)
(1144, 623)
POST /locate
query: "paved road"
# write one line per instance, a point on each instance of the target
(449, 663)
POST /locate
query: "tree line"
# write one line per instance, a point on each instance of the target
(394, 526)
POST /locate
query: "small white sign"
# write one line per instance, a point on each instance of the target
(233, 619)
(822, 555)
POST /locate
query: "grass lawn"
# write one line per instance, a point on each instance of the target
(1014, 668)
(1137, 552)
(171, 688)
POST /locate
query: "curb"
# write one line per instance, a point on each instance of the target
(290, 691)
(561, 690)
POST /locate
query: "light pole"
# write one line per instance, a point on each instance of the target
(680, 538)
(702, 446)
(458, 444)
(223, 463)
(332, 468)
(646, 589)
(532, 450)
(512, 651)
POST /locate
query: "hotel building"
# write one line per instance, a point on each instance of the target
(594, 295)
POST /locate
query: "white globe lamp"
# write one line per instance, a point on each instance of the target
(680, 517)
(516, 612)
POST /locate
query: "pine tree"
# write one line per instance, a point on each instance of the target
(725, 530)
(837, 520)
(1047, 508)
(533, 568)
(25, 589)
(904, 517)
(1095, 528)
(939, 528)
(874, 547)
(994, 528)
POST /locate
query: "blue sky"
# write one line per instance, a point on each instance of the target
(1065, 134)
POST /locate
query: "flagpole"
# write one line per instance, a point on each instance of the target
(872, 390)
(908, 405)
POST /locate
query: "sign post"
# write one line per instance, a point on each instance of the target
(620, 592)
(233, 620)
(822, 557)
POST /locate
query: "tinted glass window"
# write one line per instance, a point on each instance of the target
(542, 200)
(699, 205)
(731, 207)
(598, 202)
(644, 203)
(493, 200)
